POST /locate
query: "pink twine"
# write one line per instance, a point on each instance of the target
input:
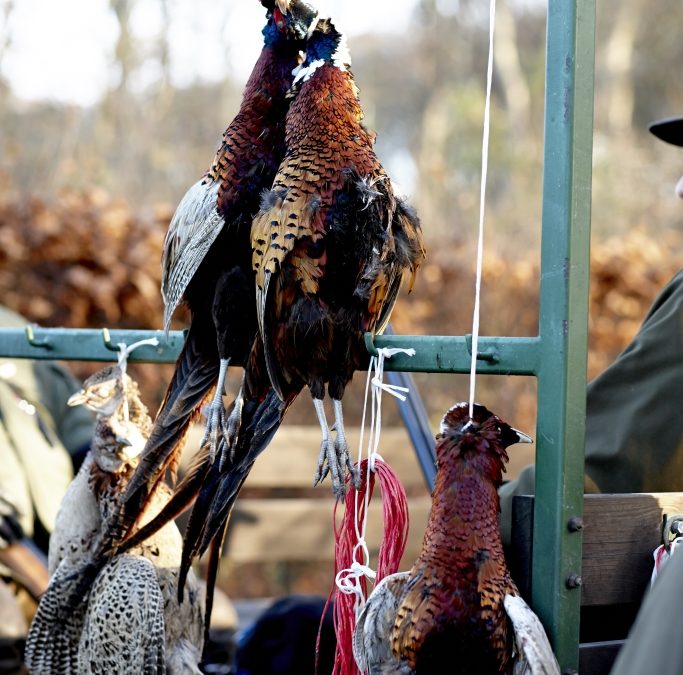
(395, 521)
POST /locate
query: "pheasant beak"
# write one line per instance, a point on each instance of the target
(283, 5)
(522, 437)
(79, 398)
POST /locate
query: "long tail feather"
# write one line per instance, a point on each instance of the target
(182, 498)
(214, 504)
(195, 375)
(197, 523)
(257, 435)
(211, 576)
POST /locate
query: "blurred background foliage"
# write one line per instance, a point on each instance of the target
(86, 193)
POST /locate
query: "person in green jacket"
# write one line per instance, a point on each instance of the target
(654, 644)
(634, 420)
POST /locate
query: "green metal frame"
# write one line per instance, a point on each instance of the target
(557, 356)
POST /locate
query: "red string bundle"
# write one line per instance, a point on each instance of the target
(395, 521)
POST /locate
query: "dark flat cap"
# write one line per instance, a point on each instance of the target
(669, 130)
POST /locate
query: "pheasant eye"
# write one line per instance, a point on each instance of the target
(279, 19)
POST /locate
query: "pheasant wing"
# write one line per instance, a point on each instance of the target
(52, 642)
(194, 227)
(535, 655)
(289, 225)
(371, 638)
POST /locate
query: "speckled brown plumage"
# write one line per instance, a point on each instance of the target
(123, 615)
(332, 241)
(450, 613)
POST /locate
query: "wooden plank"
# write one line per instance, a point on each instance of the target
(621, 531)
(597, 658)
(290, 460)
(270, 530)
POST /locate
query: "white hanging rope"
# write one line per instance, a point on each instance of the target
(348, 580)
(482, 203)
(124, 352)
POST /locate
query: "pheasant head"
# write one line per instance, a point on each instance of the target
(480, 442)
(122, 425)
(103, 392)
(295, 19)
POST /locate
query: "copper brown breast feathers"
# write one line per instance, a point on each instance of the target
(457, 610)
(331, 243)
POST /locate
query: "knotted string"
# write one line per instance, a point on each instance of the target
(124, 353)
(352, 556)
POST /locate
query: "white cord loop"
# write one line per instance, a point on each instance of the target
(349, 580)
(482, 204)
(124, 352)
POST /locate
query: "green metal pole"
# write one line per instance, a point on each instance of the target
(86, 344)
(563, 323)
(433, 353)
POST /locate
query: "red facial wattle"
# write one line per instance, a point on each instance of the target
(279, 19)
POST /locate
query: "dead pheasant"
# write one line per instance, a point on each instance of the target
(457, 611)
(129, 618)
(332, 243)
(207, 260)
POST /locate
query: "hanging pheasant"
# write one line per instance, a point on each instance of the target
(332, 243)
(247, 162)
(207, 258)
(129, 618)
(457, 611)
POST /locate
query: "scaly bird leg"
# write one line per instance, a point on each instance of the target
(341, 447)
(216, 413)
(327, 459)
(231, 429)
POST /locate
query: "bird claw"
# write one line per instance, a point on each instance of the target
(334, 459)
(344, 459)
(328, 463)
(230, 430)
(215, 425)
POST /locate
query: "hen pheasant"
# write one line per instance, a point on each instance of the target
(129, 620)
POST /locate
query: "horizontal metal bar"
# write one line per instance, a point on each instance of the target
(452, 354)
(433, 354)
(86, 344)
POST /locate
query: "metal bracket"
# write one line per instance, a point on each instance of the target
(672, 528)
(106, 338)
(370, 344)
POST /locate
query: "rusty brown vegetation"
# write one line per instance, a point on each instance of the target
(86, 259)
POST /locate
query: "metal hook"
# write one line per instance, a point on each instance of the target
(370, 344)
(43, 343)
(489, 355)
(106, 338)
